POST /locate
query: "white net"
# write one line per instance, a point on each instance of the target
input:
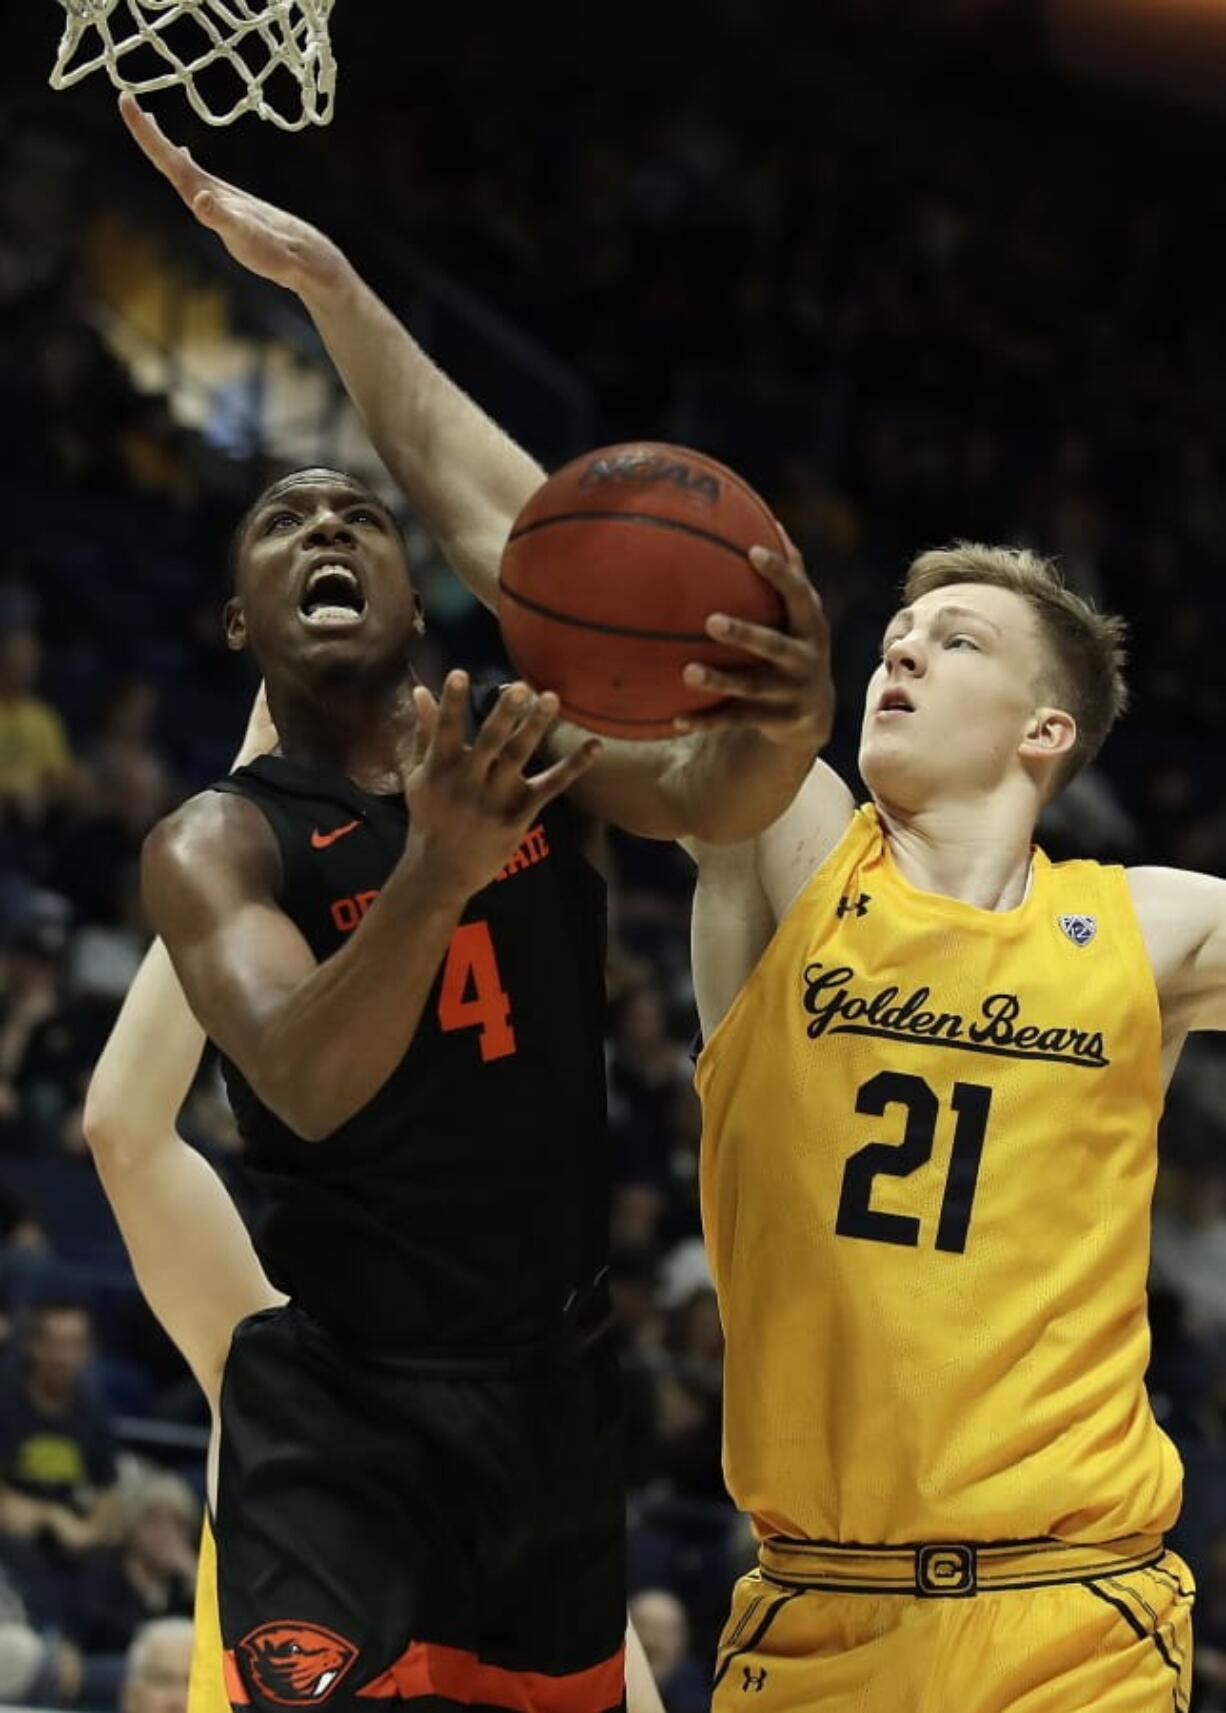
(245, 40)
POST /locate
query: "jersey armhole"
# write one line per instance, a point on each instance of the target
(704, 1061)
(277, 821)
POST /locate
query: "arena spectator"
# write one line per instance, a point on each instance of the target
(690, 1401)
(663, 1628)
(50, 1036)
(19, 1230)
(31, 971)
(123, 794)
(647, 1067)
(150, 1573)
(158, 1668)
(57, 1460)
(36, 765)
(41, 1670)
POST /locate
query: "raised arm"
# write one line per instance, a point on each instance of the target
(1183, 920)
(317, 1041)
(465, 479)
(190, 1251)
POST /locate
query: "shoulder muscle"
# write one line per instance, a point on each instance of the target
(1183, 922)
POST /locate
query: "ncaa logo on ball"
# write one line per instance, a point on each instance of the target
(647, 468)
(1079, 929)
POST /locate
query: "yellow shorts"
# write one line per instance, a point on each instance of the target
(1042, 1629)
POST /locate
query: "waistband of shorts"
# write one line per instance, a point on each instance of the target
(584, 1329)
(944, 1570)
(516, 1362)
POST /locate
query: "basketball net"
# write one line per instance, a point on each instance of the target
(251, 39)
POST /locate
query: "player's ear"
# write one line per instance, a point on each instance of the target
(235, 622)
(1050, 733)
(419, 615)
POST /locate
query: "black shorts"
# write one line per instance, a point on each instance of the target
(398, 1533)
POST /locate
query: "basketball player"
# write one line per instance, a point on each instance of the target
(310, 948)
(933, 1071)
(181, 1229)
(399, 952)
(930, 1238)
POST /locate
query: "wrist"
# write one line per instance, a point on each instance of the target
(326, 281)
(434, 877)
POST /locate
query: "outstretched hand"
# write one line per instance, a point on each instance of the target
(788, 695)
(271, 243)
(470, 804)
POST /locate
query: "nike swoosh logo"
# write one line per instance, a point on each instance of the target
(321, 841)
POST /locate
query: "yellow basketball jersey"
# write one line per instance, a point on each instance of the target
(207, 1690)
(929, 1147)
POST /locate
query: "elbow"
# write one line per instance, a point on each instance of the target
(301, 1101)
(107, 1131)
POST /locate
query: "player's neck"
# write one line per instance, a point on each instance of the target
(344, 729)
(978, 852)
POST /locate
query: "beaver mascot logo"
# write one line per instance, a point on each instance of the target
(296, 1665)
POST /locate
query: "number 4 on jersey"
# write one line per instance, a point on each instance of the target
(472, 995)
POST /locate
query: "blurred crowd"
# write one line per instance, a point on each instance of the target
(853, 285)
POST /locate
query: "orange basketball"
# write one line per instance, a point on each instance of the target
(611, 572)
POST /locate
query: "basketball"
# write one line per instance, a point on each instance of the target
(611, 572)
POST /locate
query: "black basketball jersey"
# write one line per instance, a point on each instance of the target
(466, 1207)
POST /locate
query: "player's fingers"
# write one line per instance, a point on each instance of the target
(418, 722)
(515, 701)
(787, 573)
(765, 685)
(544, 787)
(524, 742)
(447, 742)
(175, 163)
(208, 210)
(790, 654)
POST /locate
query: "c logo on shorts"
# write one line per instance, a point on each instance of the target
(948, 1571)
(296, 1665)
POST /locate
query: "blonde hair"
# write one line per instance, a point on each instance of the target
(146, 1640)
(1084, 649)
(159, 1490)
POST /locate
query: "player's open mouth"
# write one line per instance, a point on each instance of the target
(894, 702)
(332, 599)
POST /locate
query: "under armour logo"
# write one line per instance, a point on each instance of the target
(755, 1680)
(859, 905)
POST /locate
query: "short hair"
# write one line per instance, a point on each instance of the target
(291, 479)
(147, 1638)
(158, 1490)
(1085, 649)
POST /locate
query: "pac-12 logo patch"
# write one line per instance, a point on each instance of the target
(1079, 929)
(296, 1665)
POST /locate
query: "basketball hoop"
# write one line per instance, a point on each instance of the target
(248, 39)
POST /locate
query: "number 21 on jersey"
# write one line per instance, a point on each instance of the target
(972, 1103)
(472, 994)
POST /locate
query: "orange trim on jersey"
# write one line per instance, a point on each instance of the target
(454, 1674)
(236, 1689)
